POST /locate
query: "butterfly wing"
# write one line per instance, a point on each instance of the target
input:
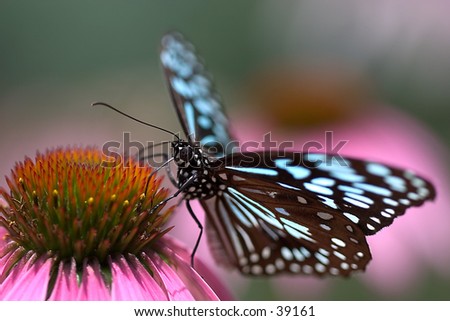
(305, 212)
(266, 235)
(197, 103)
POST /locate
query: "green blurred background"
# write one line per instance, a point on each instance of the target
(59, 56)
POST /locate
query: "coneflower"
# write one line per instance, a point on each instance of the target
(76, 225)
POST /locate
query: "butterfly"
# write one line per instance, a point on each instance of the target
(267, 212)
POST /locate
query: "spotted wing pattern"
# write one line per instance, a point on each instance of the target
(198, 105)
(269, 213)
(305, 212)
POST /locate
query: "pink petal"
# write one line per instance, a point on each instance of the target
(183, 257)
(10, 254)
(92, 286)
(168, 278)
(3, 233)
(196, 284)
(12, 262)
(28, 280)
(131, 281)
(66, 285)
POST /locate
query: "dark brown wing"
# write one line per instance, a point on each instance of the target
(261, 234)
(196, 101)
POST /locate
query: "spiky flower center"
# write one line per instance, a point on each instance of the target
(75, 203)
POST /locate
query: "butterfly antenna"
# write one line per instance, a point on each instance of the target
(134, 118)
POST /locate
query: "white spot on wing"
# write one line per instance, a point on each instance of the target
(255, 170)
(294, 267)
(259, 210)
(360, 198)
(348, 177)
(279, 263)
(286, 253)
(323, 181)
(390, 201)
(350, 189)
(204, 122)
(298, 172)
(324, 260)
(339, 255)
(307, 269)
(289, 186)
(270, 269)
(223, 176)
(413, 196)
(298, 255)
(248, 242)
(281, 210)
(373, 189)
(254, 257)
(297, 230)
(370, 227)
(325, 227)
(243, 261)
(318, 189)
(334, 271)
(325, 216)
(320, 267)
(389, 210)
(305, 252)
(328, 201)
(338, 242)
(377, 169)
(265, 253)
(256, 269)
(355, 202)
(395, 181)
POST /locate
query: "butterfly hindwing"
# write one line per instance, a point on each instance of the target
(198, 105)
(267, 235)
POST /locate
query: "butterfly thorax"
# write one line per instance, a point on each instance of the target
(193, 162)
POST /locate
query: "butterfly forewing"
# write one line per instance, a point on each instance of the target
(367, 193)
(196, 101)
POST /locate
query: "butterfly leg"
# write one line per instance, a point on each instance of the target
(181, 189)
(200, 226)
(166, 161)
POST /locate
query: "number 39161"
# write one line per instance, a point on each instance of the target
(295, 311)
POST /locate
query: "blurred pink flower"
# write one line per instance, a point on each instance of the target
(57, 242)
